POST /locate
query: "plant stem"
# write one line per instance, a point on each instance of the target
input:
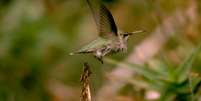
(86, 94)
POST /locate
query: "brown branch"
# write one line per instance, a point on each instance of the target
(85, 94)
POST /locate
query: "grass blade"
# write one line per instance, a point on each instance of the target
(146, 72)
(184, 69)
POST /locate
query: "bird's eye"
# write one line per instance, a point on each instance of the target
(125, 35)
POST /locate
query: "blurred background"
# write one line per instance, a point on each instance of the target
(36, 37)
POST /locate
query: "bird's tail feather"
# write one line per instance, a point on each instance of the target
(76, 53)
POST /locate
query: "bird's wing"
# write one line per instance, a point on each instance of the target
(103, 18)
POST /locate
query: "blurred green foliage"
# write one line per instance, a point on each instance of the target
(36, 37)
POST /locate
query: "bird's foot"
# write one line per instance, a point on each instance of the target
(99, 59)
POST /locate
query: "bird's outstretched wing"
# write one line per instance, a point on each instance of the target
(103, 18)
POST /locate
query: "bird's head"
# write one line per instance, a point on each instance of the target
(126, 35)
(124, 38)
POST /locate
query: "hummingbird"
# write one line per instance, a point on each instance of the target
(109, 40)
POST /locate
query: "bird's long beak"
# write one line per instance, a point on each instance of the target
(139, 31)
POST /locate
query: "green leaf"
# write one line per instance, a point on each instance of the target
(184, 69)
(146, 72)
(168, 67)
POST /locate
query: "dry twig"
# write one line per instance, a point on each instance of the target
(85, 94)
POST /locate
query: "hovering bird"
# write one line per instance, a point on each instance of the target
(109, 40)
